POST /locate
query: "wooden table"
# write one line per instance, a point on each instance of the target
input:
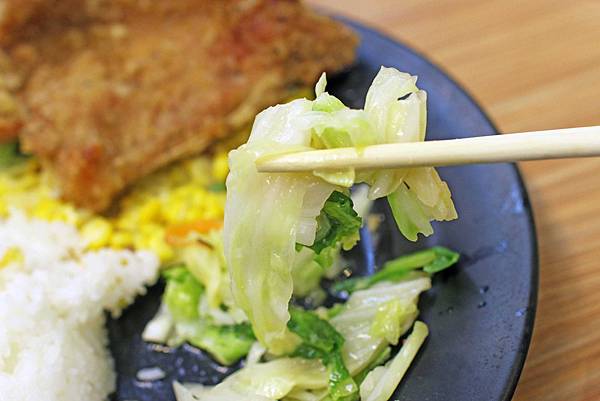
(532, 65)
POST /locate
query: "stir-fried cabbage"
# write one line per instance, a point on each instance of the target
(336, 356)
(380, 383)
(268, 216)
(198, 307)
(206, 262)
(432, 260)
(307, 272)
(264, 216)
(182, 293)
(269, 381)
(365, 331)
(320, 340)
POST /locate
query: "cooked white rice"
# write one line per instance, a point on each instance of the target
(52, 336)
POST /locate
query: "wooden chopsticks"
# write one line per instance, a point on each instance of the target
(535, 145)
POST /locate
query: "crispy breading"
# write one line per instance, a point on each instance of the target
(112, 90)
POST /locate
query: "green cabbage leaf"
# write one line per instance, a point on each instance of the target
(380, 383)
(320, 340)
(431, 260)
(375, 318)
(269, 381)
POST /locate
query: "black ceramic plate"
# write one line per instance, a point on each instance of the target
(480, 313)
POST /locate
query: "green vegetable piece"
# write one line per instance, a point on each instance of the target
(323, 227)
(432, 260)
(336, 138)
(337, 222)
(328, 103)
(379, 360)
(182, 293)
(326, 257)
(337, 225)
(390, 318)
(227, 344)
(444, 258)
(335, 310)
(379, 384)
(408, 213)
(320, 340)
(342, 386)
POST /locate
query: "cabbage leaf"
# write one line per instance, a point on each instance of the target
(320, 340)
(264, 219)
(269, 381)
(181, 320)
(226, 343)
(182, 293)
(431, 260)
(380, 383)
(337, 223)
(362, 325)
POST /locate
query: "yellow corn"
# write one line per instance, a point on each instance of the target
(96, 232)
(120, 240)
(46, 209)
(149, 211)
(220, 168)
(175, 195)
(152, 237)
(161, 248)
(11, 255)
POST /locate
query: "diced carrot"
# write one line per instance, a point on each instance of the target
(178, 234)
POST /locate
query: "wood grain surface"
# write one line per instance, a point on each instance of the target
(532, 65)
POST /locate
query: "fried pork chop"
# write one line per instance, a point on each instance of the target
(107, 91)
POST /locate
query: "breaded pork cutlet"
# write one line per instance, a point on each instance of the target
(108, 91)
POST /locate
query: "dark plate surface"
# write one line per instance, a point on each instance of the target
(480, 313)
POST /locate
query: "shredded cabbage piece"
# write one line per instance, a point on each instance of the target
(160, 328)
(186, 315)
(315, 372)
(269, 381)
(262, 220)
(360, 321)
(380, 383)
(431, 260)
(206, 262)
(321, 340)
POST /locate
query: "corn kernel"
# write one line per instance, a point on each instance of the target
(121, 239)
(152, 237)
(127, 221)
(96, 232)
(11, 255)
(161, 248)
(68, 214)
(45, 209)
(149, 211)
(220, 168)
(185, 204)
